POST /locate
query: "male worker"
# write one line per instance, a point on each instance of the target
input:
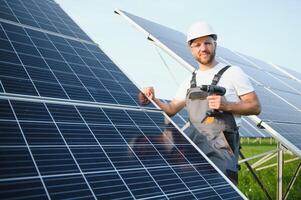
(214, 119)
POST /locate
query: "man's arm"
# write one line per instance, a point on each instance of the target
(169, 108)
(248, 104)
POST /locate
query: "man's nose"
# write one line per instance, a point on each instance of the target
(202, 47)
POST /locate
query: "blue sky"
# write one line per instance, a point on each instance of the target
(268, 30)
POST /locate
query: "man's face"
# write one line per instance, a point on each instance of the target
(203, 49)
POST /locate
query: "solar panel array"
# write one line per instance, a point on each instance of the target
(70, 125)
(279, 93)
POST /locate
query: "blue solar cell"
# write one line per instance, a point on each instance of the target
(91, 159)
(102, 96)
(52, 54)
(118, 117)
(37, 133)
(54, 160)
(18, 37)
(64, 113)
(102, 73)
(44, 43)
(140, 118)
(77, 134)
(2, 34)
(18, 86)
(13, 70)
(104, 189)
(133, 135)
(25, 49)
(29, 111)
(168, 180)
(158, 118)
(122, 157)
(93, 115)
(13, 28)
(64, 47)
(8, 166)
(33, 61)
(10, 133)
(74, 187)
(69, 79)
(84, 53)
(107, 135)
(47, 89)
(72, 58)
(9, 57)
(291, 97)
(155, 135)
(57, 65)
(141, 184)
(110, 66)
(41, 75)
(5, 112)
(27, 189)
(6, 13)
(6, 46)
(182, 195)
(91, 82)
(78, 93)
(290, 131)
(81, 70)
(292, 83)
(130, 88)
(274, 112)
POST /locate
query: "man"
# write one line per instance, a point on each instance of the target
(214, 118)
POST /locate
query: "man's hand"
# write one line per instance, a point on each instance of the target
(217, 102)
(247, 105)
(146, 94)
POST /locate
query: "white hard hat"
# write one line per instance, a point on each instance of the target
(200, 29)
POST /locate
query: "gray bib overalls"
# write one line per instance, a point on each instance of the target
(216, 135)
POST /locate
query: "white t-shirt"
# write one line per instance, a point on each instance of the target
(233, 79)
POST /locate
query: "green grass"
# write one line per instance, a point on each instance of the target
(249, 186)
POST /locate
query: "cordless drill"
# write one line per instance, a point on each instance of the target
(211, 90)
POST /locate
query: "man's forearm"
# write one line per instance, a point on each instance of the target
(243, 108)
(170, 108)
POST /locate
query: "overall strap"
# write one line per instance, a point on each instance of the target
(193, 80)
(219, 74)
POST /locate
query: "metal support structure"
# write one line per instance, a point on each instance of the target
(279, 172)
(275, 164)
(263, 160)
(291, 183)
(256, 177)
(258, 156)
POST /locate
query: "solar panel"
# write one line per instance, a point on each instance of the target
(70, 124)
(278, 92)
(61, 68)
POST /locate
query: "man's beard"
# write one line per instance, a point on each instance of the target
(207, 61)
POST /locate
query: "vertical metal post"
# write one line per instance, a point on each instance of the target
(290, 185)
(279, 172)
